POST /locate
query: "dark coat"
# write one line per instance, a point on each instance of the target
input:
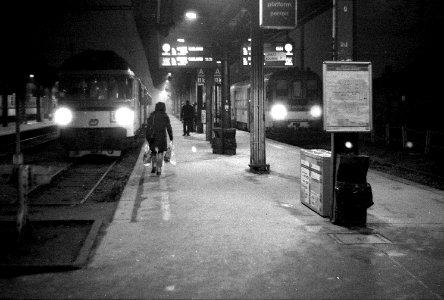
(161, 125)
(187, 112)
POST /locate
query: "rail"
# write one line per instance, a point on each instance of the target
(408, 139)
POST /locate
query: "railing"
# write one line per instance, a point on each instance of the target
(423, 141)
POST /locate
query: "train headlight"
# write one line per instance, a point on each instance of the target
(278, 112)
(62, 116)
(316, 111)
(124, 116)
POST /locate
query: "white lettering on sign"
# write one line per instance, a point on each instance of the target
(275, 56)
(279, 14)
(279, 4)
(197, 48)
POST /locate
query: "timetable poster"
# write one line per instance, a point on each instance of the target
(347, 96)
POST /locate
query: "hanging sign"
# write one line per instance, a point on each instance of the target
(217, 77)
(200, 77)
(277, 14)
(185, 56)
(347, 96)
(276, 54)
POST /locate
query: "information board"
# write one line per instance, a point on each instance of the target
(185, 56)
(276, 55)
(347, 96)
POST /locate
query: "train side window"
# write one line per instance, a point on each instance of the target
(281, 88)
(248, 98)
(312, 84)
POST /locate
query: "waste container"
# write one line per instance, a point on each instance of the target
(224, 141)
(316, 180)
(353, 194)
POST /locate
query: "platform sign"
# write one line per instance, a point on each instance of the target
(200, 77)
(347, 96)
(179, 55)
(277, 14)
(217, 77)
(275, 55)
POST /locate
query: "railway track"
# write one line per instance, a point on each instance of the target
(8, 144)
(73, 186)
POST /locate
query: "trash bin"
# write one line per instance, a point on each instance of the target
(224, 141)
(316, 180)
(353, 195)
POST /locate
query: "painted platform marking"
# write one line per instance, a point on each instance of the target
(154, 199)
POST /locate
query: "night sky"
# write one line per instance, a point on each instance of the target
(41, 34)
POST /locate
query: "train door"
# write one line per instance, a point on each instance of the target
(217, 95)
(249, 112)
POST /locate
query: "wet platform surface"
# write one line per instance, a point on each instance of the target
(209, 228)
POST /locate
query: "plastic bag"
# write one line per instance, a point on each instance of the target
(147, 156)
(173, 156)
(167, 155)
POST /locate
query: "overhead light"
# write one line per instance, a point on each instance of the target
(181, 40)
(191, 15)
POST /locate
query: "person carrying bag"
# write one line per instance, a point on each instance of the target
(158, 126)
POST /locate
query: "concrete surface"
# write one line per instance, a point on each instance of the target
(208, 228)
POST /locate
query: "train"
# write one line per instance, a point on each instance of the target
(293, 98)
(102, 104)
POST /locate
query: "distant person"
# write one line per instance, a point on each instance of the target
(158, 124)
(187, 116)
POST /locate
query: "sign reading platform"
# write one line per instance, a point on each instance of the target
(277, 14)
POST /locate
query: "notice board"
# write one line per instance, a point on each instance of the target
(347, 96)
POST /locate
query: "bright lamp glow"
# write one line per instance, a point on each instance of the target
(348, 145)
(315, 111)
(191, 15)
(62, 116)
(124, 116)
(278, 112)
(163, 95)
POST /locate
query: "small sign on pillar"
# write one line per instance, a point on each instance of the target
(217, 77)
(200, 77)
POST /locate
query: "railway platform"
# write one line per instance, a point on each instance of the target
(209, 228)
(31, 125)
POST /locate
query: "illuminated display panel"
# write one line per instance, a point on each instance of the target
(186, 56)
(275, 55)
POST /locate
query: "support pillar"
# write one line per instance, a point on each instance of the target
(258, 162)
(209, 82)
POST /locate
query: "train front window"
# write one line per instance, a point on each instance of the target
(96, 87)
(297, 89)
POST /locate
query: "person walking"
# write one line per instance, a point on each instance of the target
(187, 115)
(158, 124)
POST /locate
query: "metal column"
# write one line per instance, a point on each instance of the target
(257, 129)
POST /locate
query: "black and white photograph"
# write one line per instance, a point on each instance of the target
(221, 149)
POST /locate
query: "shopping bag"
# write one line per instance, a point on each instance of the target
(147, 156)
(167, 155)
(173, 156)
